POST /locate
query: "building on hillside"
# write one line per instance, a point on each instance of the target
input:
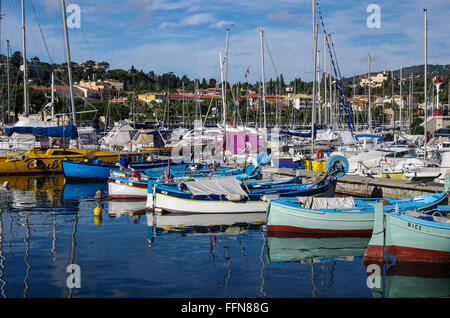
(149, 97)
(120, 100)
(210, 91)
(374, 80)
(116, 84)
(105, 89)
(299, 100)
(60, 90)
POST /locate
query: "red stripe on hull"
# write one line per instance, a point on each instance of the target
(295, 229)
(374, 254)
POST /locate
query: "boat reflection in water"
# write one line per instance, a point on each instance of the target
(410, 280)
(203, 223)
(74, 191)
(34, 206)
(323, 254)
(29, 190)
(308, 248)
(133, 209)
(225, 232)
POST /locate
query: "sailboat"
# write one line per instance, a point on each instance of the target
(40, 160)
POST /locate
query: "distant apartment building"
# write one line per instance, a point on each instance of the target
(253, 100)
(149, 97)
(359, 102)
(299, 100)
(116, 84)
(119, 100)
(60, 90)
(101, 90)
(374, 80)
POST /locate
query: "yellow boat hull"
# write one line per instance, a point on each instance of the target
(315, 165)
(396, 176)
(45, 161)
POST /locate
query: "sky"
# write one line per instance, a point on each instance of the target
(186, 36)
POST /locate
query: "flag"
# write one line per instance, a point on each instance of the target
(248, 71)
(241, 93)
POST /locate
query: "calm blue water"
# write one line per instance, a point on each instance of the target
(46, 225)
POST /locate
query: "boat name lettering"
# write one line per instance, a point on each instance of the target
(39, 164)
(164, 192)
(415, 226)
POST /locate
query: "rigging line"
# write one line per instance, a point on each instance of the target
(42, 33)
(337, 74)
(212, 98)
(82, 97)
(278, 80)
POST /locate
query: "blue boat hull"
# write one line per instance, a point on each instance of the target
(287, 163)
(77, 170)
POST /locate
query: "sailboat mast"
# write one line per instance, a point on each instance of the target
(325, 79)
(25, 79)
(425, 84)
(226, 80)
(261, 32)
(8, 79)
(69, 68)
(313, 114)
(318, 90)
(332, 113)
(401, 97)
(370, 104)
(53, 95)
(224, 108)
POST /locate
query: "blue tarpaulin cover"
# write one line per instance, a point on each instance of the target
(67, 131)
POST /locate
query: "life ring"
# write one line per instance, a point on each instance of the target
(337, 162)
(319, 154)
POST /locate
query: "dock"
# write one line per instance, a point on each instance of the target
(363, 186)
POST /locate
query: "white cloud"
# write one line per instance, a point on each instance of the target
(196, 19)
(221, 24)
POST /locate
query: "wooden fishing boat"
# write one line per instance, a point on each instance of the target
(227, 195)
(126, 188)
(339, 216)
(97, 169)
(124, 185)
(408, 237)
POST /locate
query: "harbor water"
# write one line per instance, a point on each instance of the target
(47, 225)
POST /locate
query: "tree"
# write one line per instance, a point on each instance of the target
(416, 126)
(16, 59)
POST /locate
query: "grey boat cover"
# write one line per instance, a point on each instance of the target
(315, 203)
(227, 185)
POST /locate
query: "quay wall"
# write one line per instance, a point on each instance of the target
(361, 186)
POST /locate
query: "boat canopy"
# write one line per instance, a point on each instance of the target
(368, 135)
(228, 185)
(119, 135)
(67, 131)
(315, 203)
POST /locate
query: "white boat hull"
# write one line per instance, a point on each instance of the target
(118, 190)
(172, 204)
